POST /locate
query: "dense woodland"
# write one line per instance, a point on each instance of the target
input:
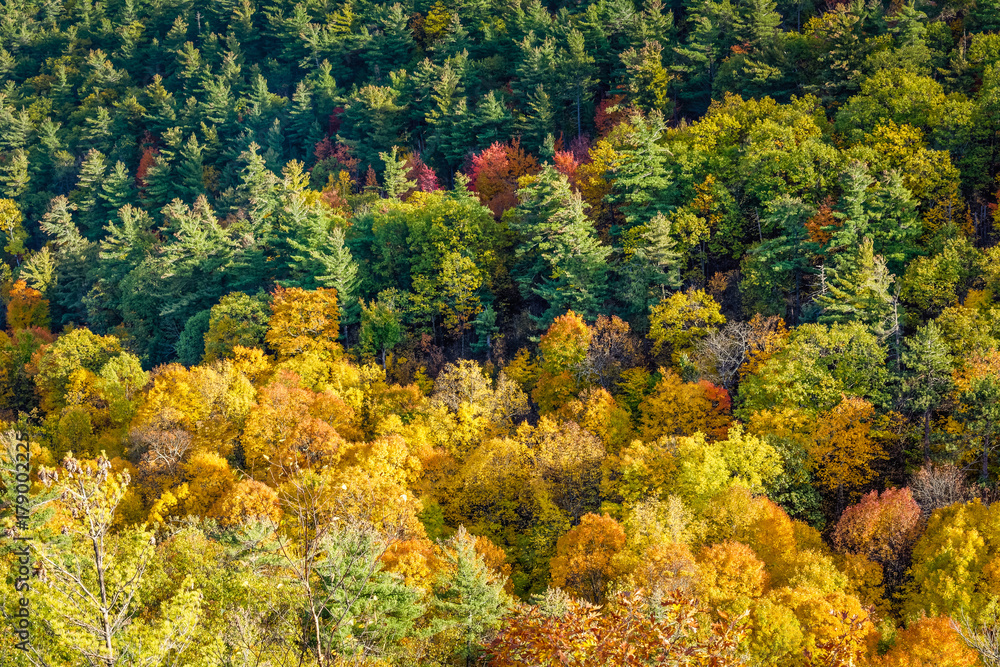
(500, 332)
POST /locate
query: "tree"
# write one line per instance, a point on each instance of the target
(681, 320)
(468, 596)
(928, 380)
(676, 407)
(843, 451)
(646, 77)
(951, 572)
(26, 308)
(978, 389)
(559, 260)
(304, 321)
(238, 319)
(639, 170)
(495, 172)
(817, 367)
(91, 592)
(396, 177)
(587, 557)
(381, 325)
(636, 629)
(577, 67)
(863, 293)
(14, 235)
(880, 527)
(984, 639)
(930, 642)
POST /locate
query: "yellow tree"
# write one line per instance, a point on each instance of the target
(26, 308)
(684, 408)
(842, 450)
(304, 321)
(563, 349)
(682, 319)
(88, 600)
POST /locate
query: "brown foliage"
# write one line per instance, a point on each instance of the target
(634, 629)
(936, 486)
(880, 527)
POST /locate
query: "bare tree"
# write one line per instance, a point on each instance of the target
(935, 486)
(983, 638)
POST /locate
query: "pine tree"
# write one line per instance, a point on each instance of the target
(394, 177)
(762, 22)
(641, 179)
(537, 122)
(775, 271)
(646, 78)
(190, 173)
(14, 174)
(559, 259)
(75, 260)
(160, 177)
(490, 122)
(884, 211)
(118, 188)
(86, 196)
(577, 69)
(651, 264)
(467, 595)
(303, 130)
(861, 291)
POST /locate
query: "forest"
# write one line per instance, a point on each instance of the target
(363, 333)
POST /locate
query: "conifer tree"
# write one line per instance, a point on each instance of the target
(537, 122)
(118, 189)
(641, 179)
(859, 291)
(577, 69)
(560, 261)
(394, 178)
(15, 175)
(190, 170)
(467, 595)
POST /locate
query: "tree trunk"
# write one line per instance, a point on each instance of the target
(927, 436)
(105, 621)
(579, 124)
(986, 458)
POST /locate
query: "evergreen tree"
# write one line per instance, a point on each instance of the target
(537, 122)
(160, 178)
(641, 178)
(86, 196)
(775, 271)
(559, 259)
(15, 175)
(467, 595)
(861, 291)
(394, 177)
(190, 173)
(577, 69)
(118, 189)
(884, 211)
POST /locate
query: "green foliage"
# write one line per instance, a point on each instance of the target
(560, 261)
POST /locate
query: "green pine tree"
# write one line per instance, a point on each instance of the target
(559, 259)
